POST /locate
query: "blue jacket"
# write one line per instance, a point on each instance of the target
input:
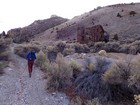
(29, 57)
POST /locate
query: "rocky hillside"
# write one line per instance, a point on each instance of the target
(26, 33)
(120, 19)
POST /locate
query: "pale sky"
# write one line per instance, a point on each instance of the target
(20, 13)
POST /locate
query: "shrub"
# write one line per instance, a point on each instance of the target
(3, 64)
(4, 49)
(5, 56)
(118, 73)
(89, 64)
(35, 42)
(59, 74)
(99, 46)
(99, 7)
(61, 46)
(107, 81)
(76, 68)
(115, 37)
(4, 53)
(94, 101)
(68, 51)
(75, 65)
(52, 53)
(119, 15)
(137, 99)
(79, 101)
(41, 60)
(112, 47)
(22, 49)
(4, 44)
(118, 78)
(134, 48)
(124, 49)
(90, 84)
(134, 80)
(81, 48)
(133, 13)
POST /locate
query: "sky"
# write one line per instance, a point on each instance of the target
(20, 13)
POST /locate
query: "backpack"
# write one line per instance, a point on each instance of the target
(31, 56)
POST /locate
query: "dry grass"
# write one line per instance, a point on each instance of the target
(79, 101)
(3, 64)
(137, 99)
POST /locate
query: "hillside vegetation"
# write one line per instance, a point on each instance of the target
(95, 73)
(120, 19)
(4, 53)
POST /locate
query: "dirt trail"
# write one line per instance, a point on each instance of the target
(16, 88)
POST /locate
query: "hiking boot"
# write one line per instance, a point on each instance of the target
(30, 75)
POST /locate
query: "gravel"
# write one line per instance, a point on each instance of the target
(16, 88)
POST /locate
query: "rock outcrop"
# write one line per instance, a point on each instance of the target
(2, 34)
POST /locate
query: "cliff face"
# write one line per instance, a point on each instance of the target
(20, 35)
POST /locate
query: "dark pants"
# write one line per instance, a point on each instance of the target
(30, 66)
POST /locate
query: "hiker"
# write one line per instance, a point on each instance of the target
(106, 37)
(31, 56)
